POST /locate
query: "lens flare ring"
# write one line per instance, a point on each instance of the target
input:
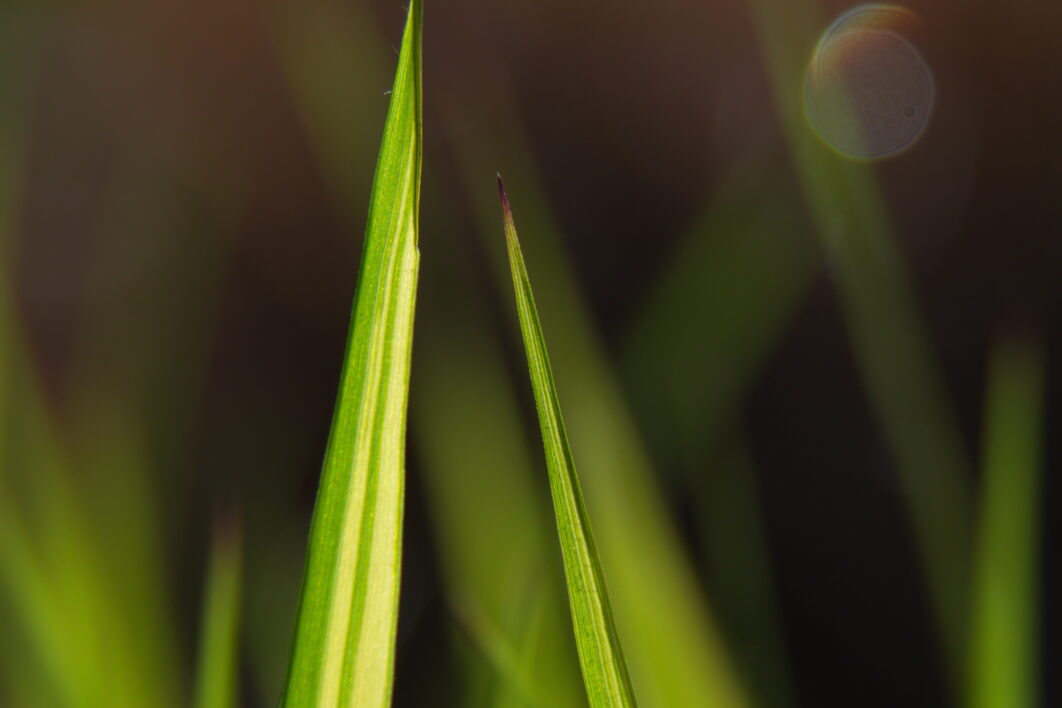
(869, 93)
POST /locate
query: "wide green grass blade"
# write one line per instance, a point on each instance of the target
(1003, 659)
(604, 668)
(219, 627)
(343, 652)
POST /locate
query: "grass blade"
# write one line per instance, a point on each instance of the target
(604, 668)
(65, 599)
(887, 333)
(343, 651)
(507, 594)
(514, 626)
(221, 618)
(745, 267)
(675, 652)
(313, 37)
(1003, 659)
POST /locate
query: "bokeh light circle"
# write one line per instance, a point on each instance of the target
(869, 91)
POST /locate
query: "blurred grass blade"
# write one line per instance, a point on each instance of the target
(220, 620)
(507, 595)
(54, 579)
(732, 532)
(744, 267)
(21, 41)
(604, 668)
(890, 343)
(343, 652)
(1003, 660)
(313, 37)
(517, 685)
(508, 598)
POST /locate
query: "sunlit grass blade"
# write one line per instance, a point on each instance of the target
(343, 651)
(1004, 657)
(670, 637)
(673, 646)
(604, 668)
(512, 623)
(219, 626)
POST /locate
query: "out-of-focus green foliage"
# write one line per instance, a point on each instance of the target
(76, 599)
(315, 38)
(719, 304)
(1005, 625)
(217, 673)
(886, 332)
(718, 307)
(498, 564)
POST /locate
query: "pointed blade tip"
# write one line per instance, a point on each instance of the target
(502, 194)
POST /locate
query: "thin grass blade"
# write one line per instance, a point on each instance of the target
(343, 653)
(219, 629)
(671, 640)
(604, 668)
(1003, 664)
